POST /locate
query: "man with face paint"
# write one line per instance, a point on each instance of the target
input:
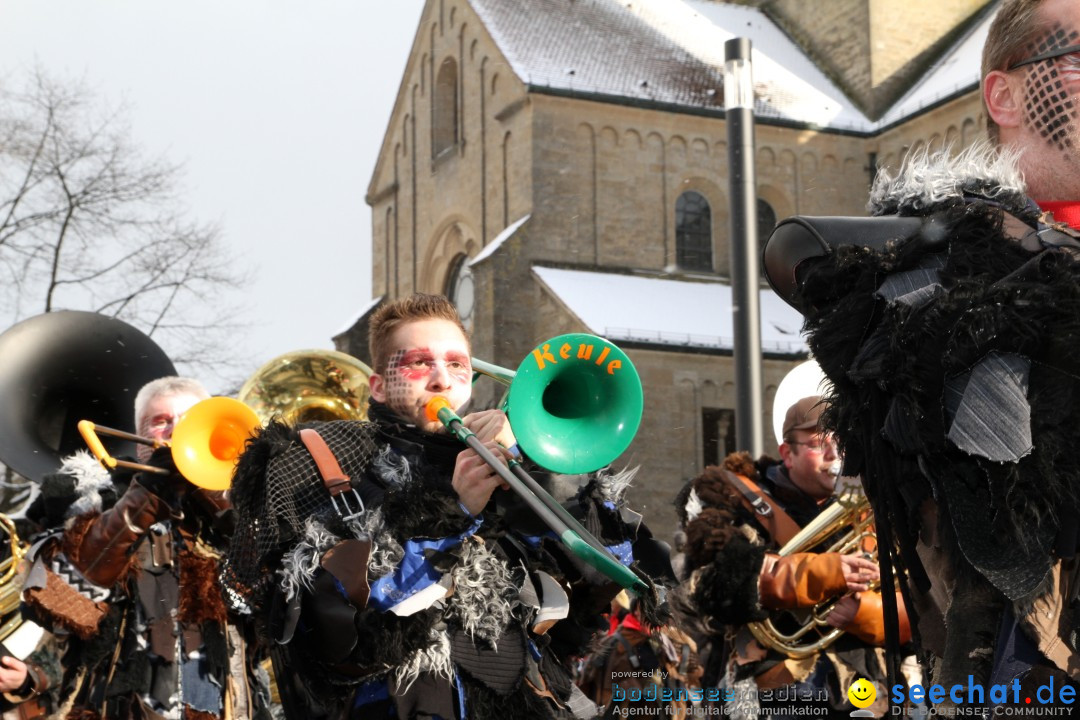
(422, 358)
(1031, 92)
(397, 577)
(736, 518)
(947, 325)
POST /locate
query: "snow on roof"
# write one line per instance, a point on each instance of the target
(600, 47)
(668, 312)
(787, 83)
(667, 51)
(356, 318)
(502, 237)
(672, 51)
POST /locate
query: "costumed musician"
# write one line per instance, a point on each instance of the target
(396, 576)
(955, 399)
(736, 518)
(131, 582)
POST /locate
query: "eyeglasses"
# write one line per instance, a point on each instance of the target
(816, 445)
(1048, 55)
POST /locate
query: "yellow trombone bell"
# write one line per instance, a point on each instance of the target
(209, 438)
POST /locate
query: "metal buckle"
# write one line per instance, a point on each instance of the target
(345, 504)
(761, 507)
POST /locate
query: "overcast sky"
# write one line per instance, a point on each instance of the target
(275, 108)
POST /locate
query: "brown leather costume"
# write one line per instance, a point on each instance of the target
(162, 637)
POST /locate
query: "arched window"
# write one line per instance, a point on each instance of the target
(693, 232)
(444, 109)
(460, 289)
(766, 220)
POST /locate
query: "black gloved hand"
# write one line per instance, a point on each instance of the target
(169, 487)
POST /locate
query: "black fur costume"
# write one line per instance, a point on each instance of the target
(477, 646)
(956, 396)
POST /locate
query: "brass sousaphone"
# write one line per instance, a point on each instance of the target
(307, 386)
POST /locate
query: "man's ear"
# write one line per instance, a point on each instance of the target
(378, 387)
(785, 454)
(1004, 98)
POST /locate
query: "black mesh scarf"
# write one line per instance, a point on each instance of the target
(900, 368)
(277, 487)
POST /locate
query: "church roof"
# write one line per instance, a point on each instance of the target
(671, 53)
(675, 313)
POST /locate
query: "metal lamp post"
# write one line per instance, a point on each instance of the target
(739, 111)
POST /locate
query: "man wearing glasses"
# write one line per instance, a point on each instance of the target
(736, 518)
(1031, 89)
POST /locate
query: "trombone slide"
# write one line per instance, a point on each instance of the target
(576, 538)
(89, 432)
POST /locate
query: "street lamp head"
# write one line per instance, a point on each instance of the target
(738, 80)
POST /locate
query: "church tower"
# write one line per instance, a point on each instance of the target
(873, 49)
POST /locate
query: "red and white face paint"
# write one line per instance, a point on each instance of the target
(427, 358)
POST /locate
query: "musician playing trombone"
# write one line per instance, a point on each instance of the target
(131, 580)
(736, 518)
(396, 575)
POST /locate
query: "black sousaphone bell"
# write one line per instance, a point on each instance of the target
(62, 367)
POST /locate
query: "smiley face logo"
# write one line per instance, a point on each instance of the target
(862, 693)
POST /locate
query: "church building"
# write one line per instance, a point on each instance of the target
(560, 166)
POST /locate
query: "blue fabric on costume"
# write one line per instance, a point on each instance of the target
(200, 692)
(370, 692)
(414, 572)
(623, 551)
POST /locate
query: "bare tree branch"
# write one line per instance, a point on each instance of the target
(87, 221)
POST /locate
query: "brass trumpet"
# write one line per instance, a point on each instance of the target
(814, 634)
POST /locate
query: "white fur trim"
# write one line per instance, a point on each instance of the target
(301, 562)
(693, 505)
(386, 552)
(90, 479)
(434, 659)
(391, 467)
(613, 485)
(484, 592)
(928, 179)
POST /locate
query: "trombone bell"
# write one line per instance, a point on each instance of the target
(209, 438)
(205, 442)
(575, 403)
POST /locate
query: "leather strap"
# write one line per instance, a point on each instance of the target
(335, 480)
(347, 562)
(777, 523)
